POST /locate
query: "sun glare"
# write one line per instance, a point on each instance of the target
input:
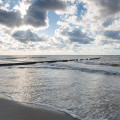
(22, 9)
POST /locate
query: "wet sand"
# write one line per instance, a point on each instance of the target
(10, 110)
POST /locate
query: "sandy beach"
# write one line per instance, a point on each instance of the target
(10, 110)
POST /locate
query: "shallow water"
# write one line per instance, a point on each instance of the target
(89, 89)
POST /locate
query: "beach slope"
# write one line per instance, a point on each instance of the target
(10, 110)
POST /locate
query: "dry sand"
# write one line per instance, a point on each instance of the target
(10, 110)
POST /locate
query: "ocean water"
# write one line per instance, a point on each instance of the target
(86, 88)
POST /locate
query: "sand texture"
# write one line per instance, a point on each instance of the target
(10, 110)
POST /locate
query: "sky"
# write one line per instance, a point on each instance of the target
(59, 27)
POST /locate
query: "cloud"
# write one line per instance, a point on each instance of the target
(74, 35)
(70, 9)
(108, 22)
(10, 18)
(103, 7)
(28, 36)
(1, 42)
(112, 34)
(83, 24)
(1, 1)
(101, 19)
(36, 14)
(49, 4)
(36, 17)
(108, 7)
(100, 13)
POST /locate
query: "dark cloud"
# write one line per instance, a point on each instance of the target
(76, 35)
(108, 22)
(108, 7)
(49, 4)
(37, 12)
(26, 36)
(10, 18)
(106, 42)
(112, 34)
(36, 15)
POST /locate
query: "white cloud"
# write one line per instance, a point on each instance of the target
(70, 10)
(1, 1)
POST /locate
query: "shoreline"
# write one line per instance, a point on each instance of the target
(11, 110)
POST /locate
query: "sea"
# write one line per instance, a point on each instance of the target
(85, 87)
